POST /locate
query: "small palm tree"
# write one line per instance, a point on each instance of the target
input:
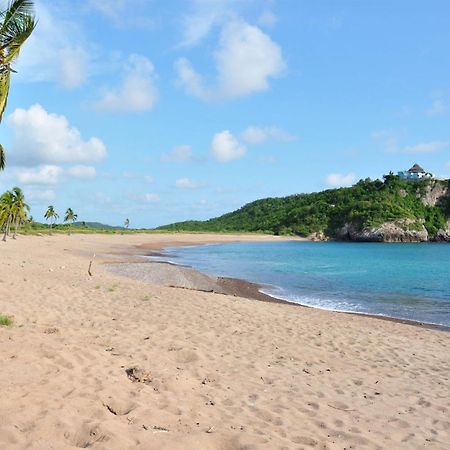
(70, 216)
(126, 224)
(17, 23)
(52, 216)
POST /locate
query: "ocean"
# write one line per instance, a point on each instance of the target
(404, 281)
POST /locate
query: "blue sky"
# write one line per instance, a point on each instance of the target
(171, 110)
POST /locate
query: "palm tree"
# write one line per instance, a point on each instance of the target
(51, 215)
(20, 209)
(17, 23)
(70, 216)
(13, 211)
(6, 212)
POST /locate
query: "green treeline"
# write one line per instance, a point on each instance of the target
(366, 204)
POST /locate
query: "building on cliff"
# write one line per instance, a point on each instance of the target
(415, 173)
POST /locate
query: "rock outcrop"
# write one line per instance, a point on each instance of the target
(443, 235)
(405, 230)
(433, 193)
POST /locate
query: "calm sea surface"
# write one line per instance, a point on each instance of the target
(409, 281)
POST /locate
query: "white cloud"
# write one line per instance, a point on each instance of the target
(438, 108)
(204, 15)
(186, 183)
(245, 61)
(225, 147)
(338, 179)
(138, 91)
(45, 175)
(148, 179)
(182, 153)
(258, 135)
(56, 51)
(426, 147)
(82, 172)
(151, 198)
(46, 138)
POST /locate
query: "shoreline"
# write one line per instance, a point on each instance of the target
(239, 287)
(110, 362)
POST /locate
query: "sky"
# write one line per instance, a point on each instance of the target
(161, 111)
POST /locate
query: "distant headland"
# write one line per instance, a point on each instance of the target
(412, 206)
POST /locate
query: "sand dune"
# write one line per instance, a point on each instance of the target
(109, 362)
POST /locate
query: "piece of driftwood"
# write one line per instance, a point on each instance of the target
(90, 265)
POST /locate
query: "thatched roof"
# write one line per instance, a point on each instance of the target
(416, 169)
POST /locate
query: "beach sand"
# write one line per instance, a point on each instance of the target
(114, 362)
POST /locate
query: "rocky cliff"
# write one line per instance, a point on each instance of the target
(405, 230)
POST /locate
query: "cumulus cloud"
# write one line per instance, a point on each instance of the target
(186, 183)
(225, 147)
(47, 138)
(182, 153)
(258, 135)
(45, 175)
(138, 91)
(56, 51)
(245, 61)
(82, 172)
(339, 179)
(427, 147)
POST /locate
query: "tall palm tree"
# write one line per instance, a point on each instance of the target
(52, 216)
(70, 216)
(17, 22)
(20, 209)
(6, 212)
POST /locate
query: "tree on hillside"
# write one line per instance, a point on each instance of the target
(70, 216)
(52, 216)
(17, 22)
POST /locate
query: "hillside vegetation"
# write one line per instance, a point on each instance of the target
(366, 205)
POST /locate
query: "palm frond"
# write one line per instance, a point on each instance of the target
(16, 10)
(14, 36)
(2, 156)
(5, 76)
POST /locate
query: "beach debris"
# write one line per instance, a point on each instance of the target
(135, 374)
(51, 330)
(156, 429)
(90, 265)
(110, 409)
(210, 430)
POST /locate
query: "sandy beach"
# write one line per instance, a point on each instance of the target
(117, 361)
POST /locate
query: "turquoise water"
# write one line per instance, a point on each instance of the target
(407, 281)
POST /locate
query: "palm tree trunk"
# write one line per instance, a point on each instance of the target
(16, 227)
(6, 229)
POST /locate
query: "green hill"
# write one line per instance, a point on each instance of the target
(412, 206)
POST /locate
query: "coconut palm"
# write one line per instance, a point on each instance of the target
(70, 216)
(6, 212)
(13, 211)
(52, 216)
(20, 209)
(16, 24)
(127, 223)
